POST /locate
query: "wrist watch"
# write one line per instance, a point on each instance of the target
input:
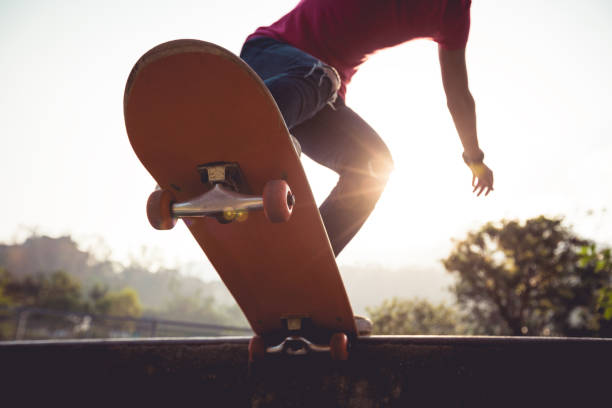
(473, 160)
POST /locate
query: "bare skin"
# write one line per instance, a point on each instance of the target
(462, 108)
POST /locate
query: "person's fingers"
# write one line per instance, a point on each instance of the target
(482, 183)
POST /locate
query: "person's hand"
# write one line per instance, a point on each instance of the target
(482, 178)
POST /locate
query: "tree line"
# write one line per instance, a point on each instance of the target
(54, 274)
(535, 277)
(59, 291)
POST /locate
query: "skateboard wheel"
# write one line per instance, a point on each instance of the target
(278, 201)
(338, 346)
(257, 348)
(159, 212)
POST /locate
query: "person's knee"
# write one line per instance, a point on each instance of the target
(359, 191)
(380, 166)
(363, 177)
(376, 163)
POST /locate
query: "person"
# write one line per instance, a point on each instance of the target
(307, 59)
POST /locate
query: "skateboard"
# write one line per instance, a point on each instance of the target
(206, 128)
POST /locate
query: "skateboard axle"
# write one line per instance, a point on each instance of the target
(297, 345)
(218, 200)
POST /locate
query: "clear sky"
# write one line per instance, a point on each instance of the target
(539, 71)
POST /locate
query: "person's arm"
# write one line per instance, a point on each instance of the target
(462, 108)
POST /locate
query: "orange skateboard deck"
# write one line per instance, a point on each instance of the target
(206, 128)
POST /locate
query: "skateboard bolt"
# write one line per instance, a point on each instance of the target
(290, 200)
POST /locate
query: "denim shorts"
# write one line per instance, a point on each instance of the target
(300, 83)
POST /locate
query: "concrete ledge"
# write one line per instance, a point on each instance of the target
(382, 371)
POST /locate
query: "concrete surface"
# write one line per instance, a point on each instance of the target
(381, 372)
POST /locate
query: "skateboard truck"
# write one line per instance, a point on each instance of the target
(295, 344)
(227, 174)
(225, 200)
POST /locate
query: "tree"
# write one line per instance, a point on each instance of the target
(60, 292)
(525, 279)
(415, 316)
(191, 308)
(5, 301)
(57, 291)
(600, 262)
(122, 303)
(6, 326)
(41, 255)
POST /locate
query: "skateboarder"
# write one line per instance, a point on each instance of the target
(307, 59)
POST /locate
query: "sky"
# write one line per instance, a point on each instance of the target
(539, 72)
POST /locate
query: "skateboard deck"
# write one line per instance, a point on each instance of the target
(190, 103)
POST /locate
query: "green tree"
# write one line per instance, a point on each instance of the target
(60, 292)
(57, 291)
(600, 263)
(6, 324)
(124, 303)
(414, 316)
(96, 293)
(192, 308)
(41, 255)
(525, 279)
(5, 301)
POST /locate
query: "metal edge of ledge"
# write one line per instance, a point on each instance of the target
(489, 340)
(127, 342)
(372, 340)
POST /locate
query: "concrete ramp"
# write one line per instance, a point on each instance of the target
(382, 372)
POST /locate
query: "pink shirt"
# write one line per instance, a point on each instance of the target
(343, 33)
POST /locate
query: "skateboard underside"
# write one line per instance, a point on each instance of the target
(190, 103)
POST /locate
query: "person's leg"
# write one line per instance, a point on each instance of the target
(333, 136)
(341, 140)
(300, 84)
